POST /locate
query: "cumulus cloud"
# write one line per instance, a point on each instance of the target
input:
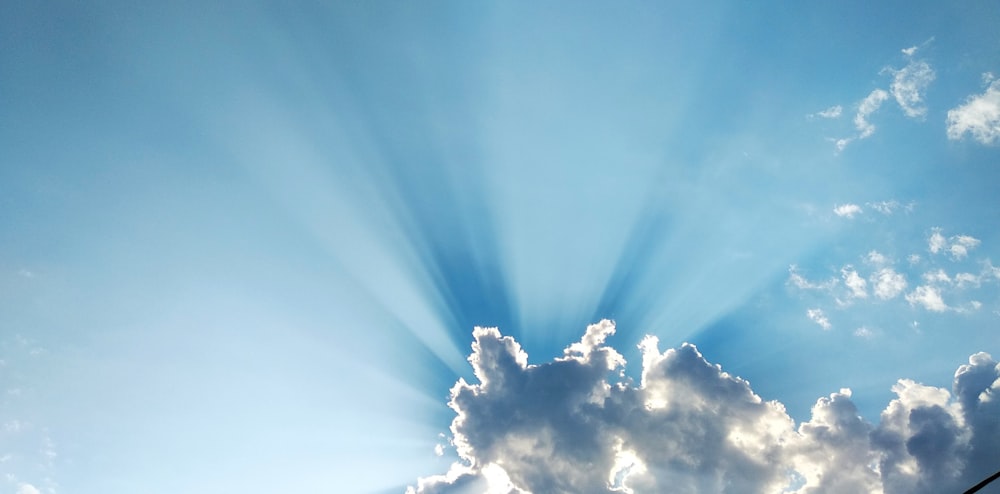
(854, 281)
(27, 489)
(577, 425)
(928, 297)
(887, 283)
(978, 117)
(847, 210)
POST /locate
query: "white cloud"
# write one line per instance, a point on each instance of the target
(938, 276)
(27, 489)
(801, 282)
(847, 210)
(887, 283)
(963, 280)
(908, 87)
(876, 258)
(690, 427)
(854, 281)
(864, 332)
(957, 245)
(884, 207)
(890, 207)
(928, 297)
(936, 242)
(818, 317)
(832, 112)
(979, 117)
(961, 244)
(866, 107)
(869, 105)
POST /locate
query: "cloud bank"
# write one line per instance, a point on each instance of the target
(578, 425)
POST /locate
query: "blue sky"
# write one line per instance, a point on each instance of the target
(243, 246)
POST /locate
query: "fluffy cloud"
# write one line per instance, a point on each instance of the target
(577, 425)
(928, 297)
(27, 489)
(887, 283)
(979, 116)
(854, 281)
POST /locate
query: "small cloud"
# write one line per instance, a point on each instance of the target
(963, 280)
(832, 112)
(27, 489)
(854, 281)
(864, 332)
(928, 297)
(956, 245)
(908, 86)
(887, 283)
(869, 105)
(913, 258)
(876, 258)
(800, 282)
(817, 316)
(937, 277)
(847, 210)
(936, 242)
(889, 207)
(961, 244)
(979, 116)
(909, 51)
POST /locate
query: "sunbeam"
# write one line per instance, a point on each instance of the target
(351, 247)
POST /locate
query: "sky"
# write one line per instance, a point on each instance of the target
(506, 247)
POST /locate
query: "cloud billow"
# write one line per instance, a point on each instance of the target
(579, 425)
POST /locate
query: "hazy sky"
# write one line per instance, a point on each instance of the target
(244, 246)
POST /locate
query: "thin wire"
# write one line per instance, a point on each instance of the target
(982, 484)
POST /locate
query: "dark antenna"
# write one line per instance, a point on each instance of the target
(982, 484)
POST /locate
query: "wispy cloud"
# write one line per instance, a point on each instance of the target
(817, 316)
(909, 85)
(798, 281)
(834, 111)
(978, 117)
